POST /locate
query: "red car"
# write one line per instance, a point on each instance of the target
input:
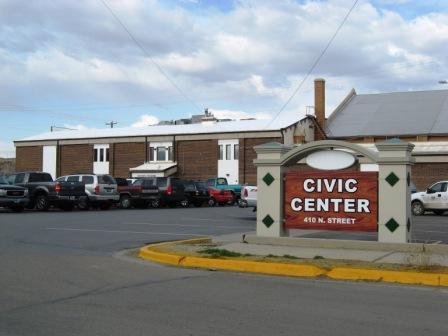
(221, 197)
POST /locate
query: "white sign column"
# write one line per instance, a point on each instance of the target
(270, 189)
(394, 199)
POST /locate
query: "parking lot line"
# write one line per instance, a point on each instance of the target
(133, 232)
(186, 225)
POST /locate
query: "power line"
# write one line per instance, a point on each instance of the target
(142, 48)
(314, 64)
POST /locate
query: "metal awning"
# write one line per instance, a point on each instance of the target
(157, 169)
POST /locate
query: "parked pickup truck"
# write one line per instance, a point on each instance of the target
(221, 183)
(44, 192)
(140, 193)
(248, 197)
(434, 199)
(12, 197)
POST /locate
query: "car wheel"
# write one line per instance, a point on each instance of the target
(211, 202)
(125, 202)
(185, 203)
(42, 203)
(155, 203)
(417, 208)
(439, 212)
(17, 208)
(84, 204)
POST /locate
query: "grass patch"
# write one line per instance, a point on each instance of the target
(218, 253)
(318, 257)
(288, 256)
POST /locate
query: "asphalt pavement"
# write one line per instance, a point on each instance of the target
(67, 274)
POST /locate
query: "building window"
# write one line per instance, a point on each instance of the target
(221, 153)
(101, 154)
(228, 152)
(236, 152)
(161, 153)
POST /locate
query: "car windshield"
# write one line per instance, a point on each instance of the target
(201, 185)
(106, 179)
(2, 180)
(221, 181)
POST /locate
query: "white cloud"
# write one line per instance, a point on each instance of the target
(249, 58)
(146, 120)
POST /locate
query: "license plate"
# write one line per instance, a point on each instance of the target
(147, 191)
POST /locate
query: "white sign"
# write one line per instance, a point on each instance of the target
(330, 160)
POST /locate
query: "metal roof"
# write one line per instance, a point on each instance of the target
(390, 114)
(159, 130)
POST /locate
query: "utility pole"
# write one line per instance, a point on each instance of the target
(111, 123)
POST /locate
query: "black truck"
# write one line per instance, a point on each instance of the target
(44, 192)
(13, 197)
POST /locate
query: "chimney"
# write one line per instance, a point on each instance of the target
(319, 101)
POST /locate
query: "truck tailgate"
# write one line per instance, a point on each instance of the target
(72, 189)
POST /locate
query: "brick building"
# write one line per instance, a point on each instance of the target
(418, 117)
(193, 151)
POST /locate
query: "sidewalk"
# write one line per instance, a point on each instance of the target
(345, 260)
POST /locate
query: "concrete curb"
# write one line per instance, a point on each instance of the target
(155, 252)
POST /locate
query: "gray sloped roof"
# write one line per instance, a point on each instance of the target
(391, 114)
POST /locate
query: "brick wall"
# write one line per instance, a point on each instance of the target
(125, 156)
(29, 158)
(75, 159)
(425, 174)
(197, 159)
(247, 170)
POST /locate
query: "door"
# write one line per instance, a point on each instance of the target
(101, 159)
(228, 153)
(436, 196)
(49, 160)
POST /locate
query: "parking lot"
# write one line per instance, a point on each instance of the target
(118, 229)
(64, 273)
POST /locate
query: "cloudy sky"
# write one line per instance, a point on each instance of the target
(70, 63)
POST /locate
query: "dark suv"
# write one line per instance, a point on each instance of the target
(171, 189)
(196, 192)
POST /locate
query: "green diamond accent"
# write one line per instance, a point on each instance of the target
(392, 179)
(268, 221)
(392, 225)
(408, 179)
(408, 225)
(268, 179)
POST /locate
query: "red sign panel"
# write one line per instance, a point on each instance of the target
(331, 200)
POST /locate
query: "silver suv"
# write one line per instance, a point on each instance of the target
(101, 190)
